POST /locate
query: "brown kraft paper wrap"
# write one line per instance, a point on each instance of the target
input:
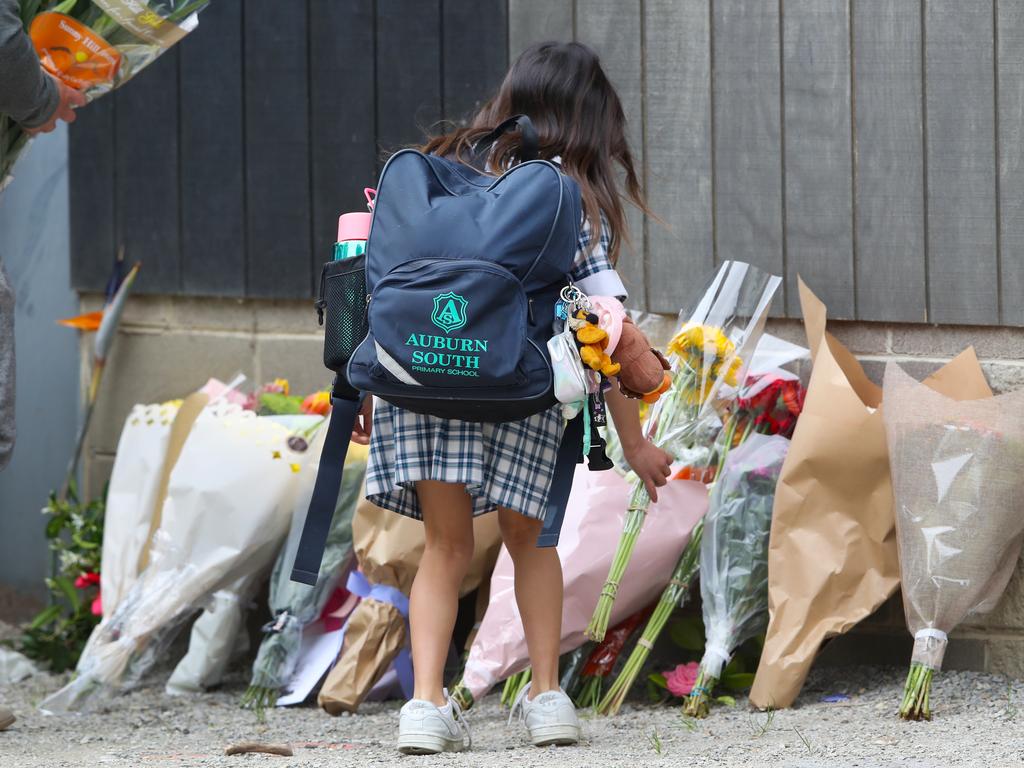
(832, 554)
(388, 547)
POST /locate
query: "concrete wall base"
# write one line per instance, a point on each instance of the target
(168, 347)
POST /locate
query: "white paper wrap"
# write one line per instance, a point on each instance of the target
(226, 514)
(131, 496)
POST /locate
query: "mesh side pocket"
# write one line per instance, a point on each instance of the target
(343, 298)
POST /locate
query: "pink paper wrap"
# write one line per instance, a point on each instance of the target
(593, 524)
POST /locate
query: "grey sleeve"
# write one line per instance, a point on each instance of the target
(7, 431)
(27, 94)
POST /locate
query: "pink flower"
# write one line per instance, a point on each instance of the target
(681, 679)
(97, 606)
(87, 580)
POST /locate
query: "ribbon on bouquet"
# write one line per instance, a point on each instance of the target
(358, 585)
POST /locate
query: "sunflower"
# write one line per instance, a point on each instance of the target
(710, 355)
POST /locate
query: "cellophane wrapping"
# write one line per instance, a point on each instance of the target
(959, 495)
(95, 46)
(227, 512)
(734, 548)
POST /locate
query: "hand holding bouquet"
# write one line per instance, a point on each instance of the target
(95, 46)
(959, 523)
(708, 356)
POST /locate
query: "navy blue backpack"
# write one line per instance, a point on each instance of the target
(449, 311)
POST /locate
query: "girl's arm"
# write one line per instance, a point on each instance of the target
(651, 464)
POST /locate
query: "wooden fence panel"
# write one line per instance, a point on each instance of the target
(92, 203)
(408, 71)
(748, 136)
(212, 156)
(680, 251)
(277, 151)
(960, 156)
(873, 146)
(1010, 87)
(474, 54)
(889, 224)
(536, 21)
(614, 30)
(146, 173)
(818, 153)
(343, 143)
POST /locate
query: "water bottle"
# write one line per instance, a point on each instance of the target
(354, 229)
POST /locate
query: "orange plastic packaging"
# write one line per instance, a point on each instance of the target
(72, 52)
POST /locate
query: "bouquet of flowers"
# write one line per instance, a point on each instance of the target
(957, 484)
(95, 46)
(734, 558)
(709, 355)
(226, 514)
(294, 605)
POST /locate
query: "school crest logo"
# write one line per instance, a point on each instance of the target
(449, 311)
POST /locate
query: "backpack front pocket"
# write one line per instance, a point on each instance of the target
(449, 324)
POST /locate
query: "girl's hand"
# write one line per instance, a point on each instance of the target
(364, 422)
(651, 464)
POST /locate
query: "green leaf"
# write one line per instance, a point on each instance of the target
(739, 681)
(658, 679)
(67, 588)
(54, 526)
(44, 617)
(277, 404)
(734, 667)
(79, 542)
(727, 701)
(688, 633)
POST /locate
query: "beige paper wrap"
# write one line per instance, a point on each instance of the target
(388, 547)
(832, 553)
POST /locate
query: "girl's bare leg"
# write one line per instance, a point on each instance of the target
(538, 579)
(433, 603)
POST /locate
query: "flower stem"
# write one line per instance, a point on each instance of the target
(698, 703)
(514, 685)
(916, 704)
(677, 589)
(634, 523)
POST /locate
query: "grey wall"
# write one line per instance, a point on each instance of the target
(35, 249)
(872, 146)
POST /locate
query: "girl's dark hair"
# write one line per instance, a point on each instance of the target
(578, 117)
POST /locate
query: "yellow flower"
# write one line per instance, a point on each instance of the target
(283, 384)
(710, 355)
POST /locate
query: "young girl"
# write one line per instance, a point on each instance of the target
(445, 471)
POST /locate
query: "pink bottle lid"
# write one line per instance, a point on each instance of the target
(354, 226)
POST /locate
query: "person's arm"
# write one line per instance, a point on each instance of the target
(26, 93)
(651, 464)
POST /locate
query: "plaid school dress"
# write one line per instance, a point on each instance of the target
(508, 465)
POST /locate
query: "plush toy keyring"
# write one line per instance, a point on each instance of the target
(593, 341)
(642, 370)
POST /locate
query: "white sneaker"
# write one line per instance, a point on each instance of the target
(426, 729)
(550, 718)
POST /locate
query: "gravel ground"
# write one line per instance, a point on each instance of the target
(976, 723)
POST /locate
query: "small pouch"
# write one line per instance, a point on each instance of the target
(570, 378)
(342, 310)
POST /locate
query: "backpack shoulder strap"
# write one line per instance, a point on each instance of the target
(569, 454)
(310, 553)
